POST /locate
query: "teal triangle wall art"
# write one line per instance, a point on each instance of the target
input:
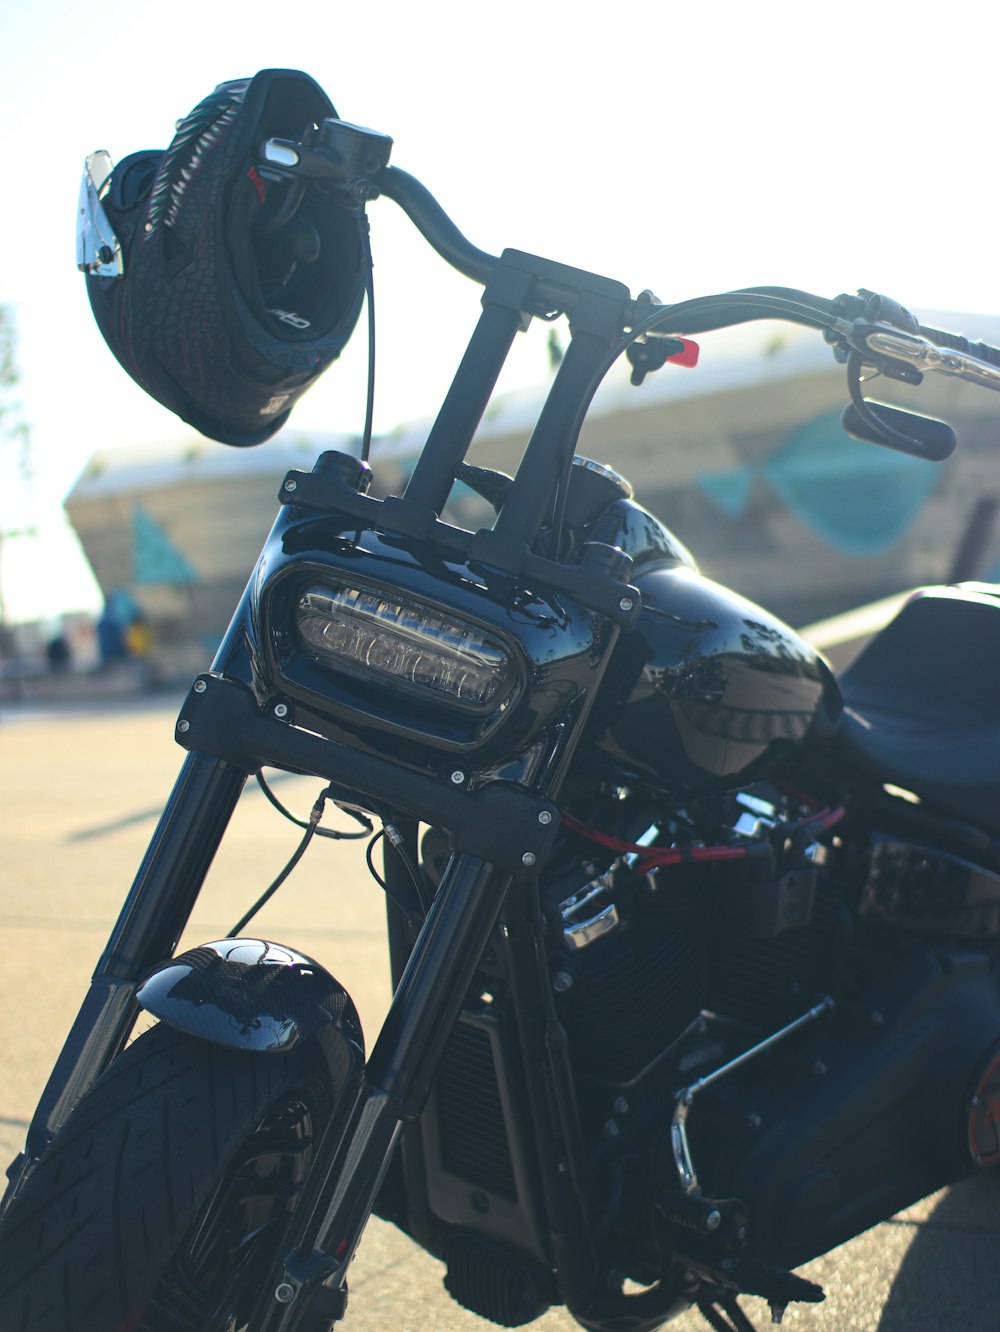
(155, 558)
(858, 497)
(728, 491)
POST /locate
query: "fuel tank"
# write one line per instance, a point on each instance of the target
(709, 691)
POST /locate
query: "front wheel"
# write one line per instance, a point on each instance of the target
(165, 1197)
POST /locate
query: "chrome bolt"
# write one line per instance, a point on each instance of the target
(626, 604)
(183, 725)
(528, 859)
(457, 777)
(714, 1220)
(562, 981)
(291, 485)
(545, 818)
(284, 1293)
(621, 1106)
(611, 1129)
(281, 709)
(200, 686)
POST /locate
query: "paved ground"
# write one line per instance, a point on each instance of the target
(79, 794)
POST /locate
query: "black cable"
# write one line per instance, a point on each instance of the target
(268, 893)
(389, 830)
(404, 907)
(366, 242)
(332, 833)
(399, 846)
(370, 862)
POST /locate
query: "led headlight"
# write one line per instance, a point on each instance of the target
(382, 638)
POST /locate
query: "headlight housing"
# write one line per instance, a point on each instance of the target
(393, 642)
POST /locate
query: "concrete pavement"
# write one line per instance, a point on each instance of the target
(79, 795)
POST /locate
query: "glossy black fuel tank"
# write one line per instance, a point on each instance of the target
(709, 691)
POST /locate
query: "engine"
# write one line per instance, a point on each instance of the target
(837, 1067)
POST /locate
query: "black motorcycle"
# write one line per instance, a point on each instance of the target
(694, 947)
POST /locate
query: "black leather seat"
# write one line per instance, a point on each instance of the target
(922, 703)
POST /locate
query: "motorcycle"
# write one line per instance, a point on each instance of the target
(694, 946)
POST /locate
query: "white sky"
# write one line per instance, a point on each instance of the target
(686, 148)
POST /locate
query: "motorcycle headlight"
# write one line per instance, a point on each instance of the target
(387, 639)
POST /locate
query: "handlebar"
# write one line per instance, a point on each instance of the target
(866, 330)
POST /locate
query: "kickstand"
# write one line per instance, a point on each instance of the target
(728, 1317)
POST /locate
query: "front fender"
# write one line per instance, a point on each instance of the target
(249, 994)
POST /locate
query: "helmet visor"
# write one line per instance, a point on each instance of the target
(98, 250)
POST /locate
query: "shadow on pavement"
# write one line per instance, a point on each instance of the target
(950, 1277)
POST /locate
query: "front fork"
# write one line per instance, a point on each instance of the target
(306, 1290)
(357, 1147)
(156, 910)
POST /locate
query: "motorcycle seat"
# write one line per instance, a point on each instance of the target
(922, 703)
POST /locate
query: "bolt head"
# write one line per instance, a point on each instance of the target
(183, 725)
(545, 818)
(714, 1220)
(626, 604)
(457, 777)
(611, 1129)
(291, 485)
(528, 859)
(562, 981)
(284, 1293)
(200, 686)
(281, 709)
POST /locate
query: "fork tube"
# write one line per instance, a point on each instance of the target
(434, 982)
(355, 1151)
(155, 912)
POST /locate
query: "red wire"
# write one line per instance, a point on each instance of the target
(650, 857)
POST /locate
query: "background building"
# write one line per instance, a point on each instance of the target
(743, 458)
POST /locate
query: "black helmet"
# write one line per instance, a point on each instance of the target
(223, 290)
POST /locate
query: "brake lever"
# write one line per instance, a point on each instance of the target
(924, 355)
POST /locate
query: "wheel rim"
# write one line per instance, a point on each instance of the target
(210, 1285)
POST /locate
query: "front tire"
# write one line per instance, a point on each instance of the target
(166, 1195)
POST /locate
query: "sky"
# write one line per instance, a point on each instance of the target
(686, 149)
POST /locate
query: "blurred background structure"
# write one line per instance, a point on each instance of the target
(743, 458)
